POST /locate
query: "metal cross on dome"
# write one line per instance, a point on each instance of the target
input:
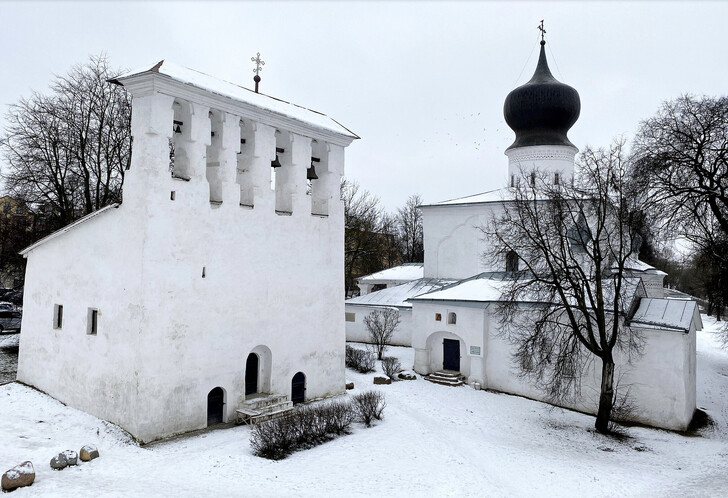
(259, 63)
(543, 31)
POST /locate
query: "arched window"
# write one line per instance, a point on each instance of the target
(452, 318)
(511, 261)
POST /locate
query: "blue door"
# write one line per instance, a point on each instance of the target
(451, 354)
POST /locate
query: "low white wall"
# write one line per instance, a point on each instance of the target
(356, 331)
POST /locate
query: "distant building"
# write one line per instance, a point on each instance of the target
(167, 312)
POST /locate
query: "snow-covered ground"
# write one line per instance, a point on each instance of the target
(433, 441)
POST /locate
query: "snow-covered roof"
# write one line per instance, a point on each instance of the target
(237, 92)
(477, 289)
(402, 273)
(637, 265)
(398, 295)
(481, 198)
(68, 227)
(666, 313)
(489, 287)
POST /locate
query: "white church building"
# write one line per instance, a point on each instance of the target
(165, 313)
(448, 315)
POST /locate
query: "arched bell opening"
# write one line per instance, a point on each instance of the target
(298, 388)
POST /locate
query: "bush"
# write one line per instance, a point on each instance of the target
(391, 367)
(273, 439)
(340, 415)
(369, 406)
(306, 427)
(360, 360)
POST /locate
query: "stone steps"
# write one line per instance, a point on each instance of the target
(446, 378)
(263, 408)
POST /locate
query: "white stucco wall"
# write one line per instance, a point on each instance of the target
(454, 246)
(428, 335)
(167, 335)
(356, 331)
(661, 382)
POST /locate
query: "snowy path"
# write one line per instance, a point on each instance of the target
(434, 441)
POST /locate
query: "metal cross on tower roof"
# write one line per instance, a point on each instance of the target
(543, 31)
(259, 63)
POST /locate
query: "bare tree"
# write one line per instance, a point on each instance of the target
(410, 233)
(70, 149)
(681, 163)
(369, 244)
(381, 325)
(567, 292)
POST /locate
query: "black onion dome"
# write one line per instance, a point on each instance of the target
(542, 110)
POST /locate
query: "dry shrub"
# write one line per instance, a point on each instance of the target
(360, 360)
(369, 406)
(391, 367)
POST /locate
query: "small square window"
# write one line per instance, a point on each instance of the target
(58, 316)
(350, 317)
(438, 317)
(93, 321)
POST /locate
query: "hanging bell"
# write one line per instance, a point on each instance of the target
(311, 173)
(276, 163)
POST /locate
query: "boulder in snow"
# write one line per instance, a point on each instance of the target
(407, 376)
(88, 453)
(71, 457)
(382, 380)
(17, 477)
(59, 462)
(349, 385)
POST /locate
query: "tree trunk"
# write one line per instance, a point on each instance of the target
(606, 397)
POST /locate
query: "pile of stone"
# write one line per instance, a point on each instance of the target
(24, 474)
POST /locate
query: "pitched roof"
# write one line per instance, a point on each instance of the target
(489, 286)
(398, 295)
(69, 227)
(497, 195)
(231, 90)
(666, 313)
(405, 273)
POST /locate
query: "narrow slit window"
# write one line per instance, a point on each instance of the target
(513, 180)
(93, 321)
(557, 179)
(171, 195)
(58, 316)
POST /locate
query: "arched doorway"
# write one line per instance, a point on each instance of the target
(215, 406)
(298, 388)
(251, 374)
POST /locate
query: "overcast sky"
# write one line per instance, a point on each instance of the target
(422, 83)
